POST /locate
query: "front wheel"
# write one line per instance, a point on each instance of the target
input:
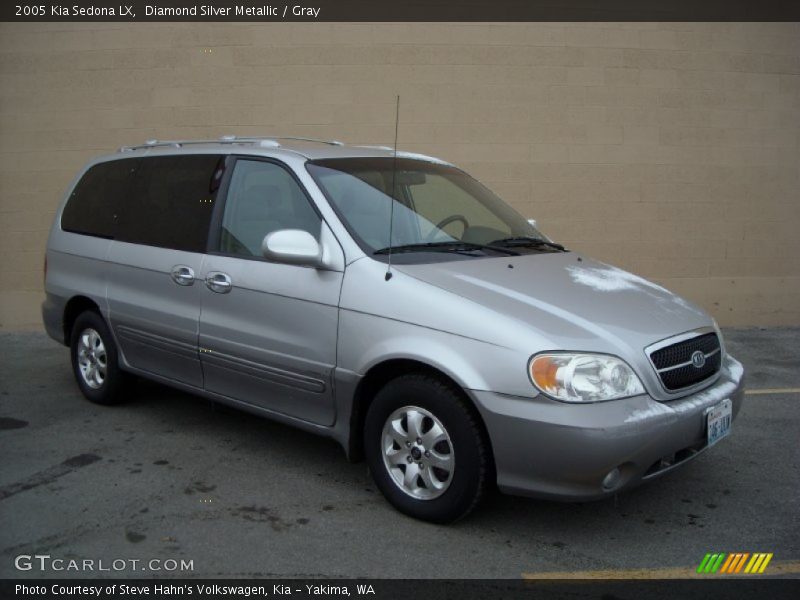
(425, 449)
(95, 361)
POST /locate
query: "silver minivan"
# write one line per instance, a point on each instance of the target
(387, 300)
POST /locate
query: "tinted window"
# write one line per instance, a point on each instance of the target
(263, 197)
(172, 201)
(95, 204)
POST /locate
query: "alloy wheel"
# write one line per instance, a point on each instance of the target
(418, 452)
(92, 358)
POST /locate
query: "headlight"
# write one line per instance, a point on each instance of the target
(573, 377)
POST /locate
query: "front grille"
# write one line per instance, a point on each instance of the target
(674, 363)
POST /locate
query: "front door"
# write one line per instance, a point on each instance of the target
(268, 330)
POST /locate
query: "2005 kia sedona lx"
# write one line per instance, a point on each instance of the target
(390, 302)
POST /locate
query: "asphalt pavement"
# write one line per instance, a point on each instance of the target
(169, 476)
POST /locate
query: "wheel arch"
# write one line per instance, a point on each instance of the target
(381, 373)
(73, 309)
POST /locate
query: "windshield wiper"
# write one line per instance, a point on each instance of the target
(527, 241)
(452, 246)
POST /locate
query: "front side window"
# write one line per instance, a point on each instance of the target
(263, 197)
(434, 204)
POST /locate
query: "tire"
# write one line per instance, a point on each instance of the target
(451, 466)
(95, 362)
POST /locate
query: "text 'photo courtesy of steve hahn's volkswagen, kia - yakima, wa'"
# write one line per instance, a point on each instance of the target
(387, 300)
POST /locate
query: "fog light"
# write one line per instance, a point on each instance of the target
(611, 480)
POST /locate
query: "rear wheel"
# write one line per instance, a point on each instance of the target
(95, 360)
(425, 449)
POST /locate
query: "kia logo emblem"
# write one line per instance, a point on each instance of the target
(698, 359)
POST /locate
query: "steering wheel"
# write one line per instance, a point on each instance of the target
(444, 223)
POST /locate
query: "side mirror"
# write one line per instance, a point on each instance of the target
(532, 222)
(292, 246)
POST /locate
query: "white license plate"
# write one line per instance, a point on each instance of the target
(719, 421)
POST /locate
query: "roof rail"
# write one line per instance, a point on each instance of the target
(162, 143)
(227, 139)
(248, 138)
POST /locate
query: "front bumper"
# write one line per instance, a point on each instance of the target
(562, 451)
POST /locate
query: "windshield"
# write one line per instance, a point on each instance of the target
(433, 204)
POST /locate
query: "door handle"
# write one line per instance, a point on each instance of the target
(218, 282)
(182, 275)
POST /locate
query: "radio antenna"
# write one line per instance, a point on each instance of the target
(392, 200)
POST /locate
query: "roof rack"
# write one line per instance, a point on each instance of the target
(270, 141)
(371, 147)
(162, 143)
(235, 138)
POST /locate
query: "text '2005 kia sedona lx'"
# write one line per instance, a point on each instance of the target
(389, 301)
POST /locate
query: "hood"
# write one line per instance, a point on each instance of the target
(574, 302)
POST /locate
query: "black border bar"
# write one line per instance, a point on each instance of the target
(407, 10)
(732, 588)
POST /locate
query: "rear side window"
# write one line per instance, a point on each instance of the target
(95, 205)
(171, 202)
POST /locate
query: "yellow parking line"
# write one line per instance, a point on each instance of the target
(772, 391)
(780, 567)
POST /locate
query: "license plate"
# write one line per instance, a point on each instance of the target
(719, 421)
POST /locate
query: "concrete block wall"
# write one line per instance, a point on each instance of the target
(669, 149)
